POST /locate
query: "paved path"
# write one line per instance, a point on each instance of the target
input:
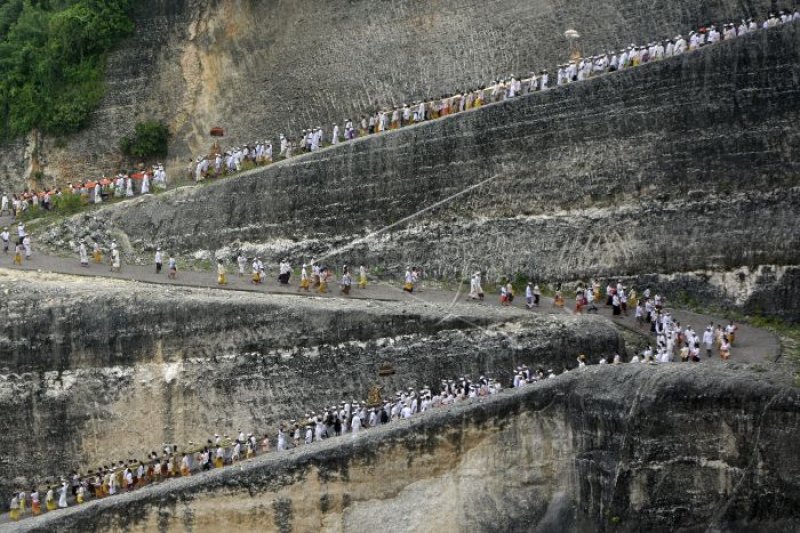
(752, 344)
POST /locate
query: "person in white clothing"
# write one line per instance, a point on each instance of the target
(84, 254)
(159, 260)
(62, 495)
(708, 340)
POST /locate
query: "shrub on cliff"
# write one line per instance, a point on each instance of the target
(150, 139)
(52, 61)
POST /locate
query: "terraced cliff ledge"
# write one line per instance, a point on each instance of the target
(97, 370)
(683, 165)
(626, 448)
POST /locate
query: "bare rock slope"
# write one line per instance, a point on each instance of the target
(687, 166)
(263, 67)
(93, 371)
(629, 448)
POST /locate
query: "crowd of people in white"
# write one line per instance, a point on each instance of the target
(312, 139)
(673, 341)
(347, 418)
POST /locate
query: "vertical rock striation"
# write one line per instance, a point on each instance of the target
(262, 67)
(687, 164)
(107, 371)
(626, 448)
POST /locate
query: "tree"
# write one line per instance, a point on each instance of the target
(150, 139)
(52, 61)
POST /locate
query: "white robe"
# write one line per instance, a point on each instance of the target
(475, 287)
(62, 496)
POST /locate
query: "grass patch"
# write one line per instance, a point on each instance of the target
(201, 265)
(61, 206)
(787, 333)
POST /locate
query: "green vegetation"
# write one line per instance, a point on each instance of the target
(686, 300)
(150, 139)
(788, 333)
(68, 204)
(52, 61)
(60, 206)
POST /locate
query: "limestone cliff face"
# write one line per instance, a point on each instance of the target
(688, 164)
(95, 371)
(262, 67)
(632, 448)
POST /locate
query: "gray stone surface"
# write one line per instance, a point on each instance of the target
(765, 290)
(261, 67)
(687, 167)
(97, 370)
(678, 166)
(629, 448)
(65, 323)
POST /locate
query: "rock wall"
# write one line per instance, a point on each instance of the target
(765, 290)
(628, 448)
(682, 165)
(59, 323)
(261, 67)
(96, 371)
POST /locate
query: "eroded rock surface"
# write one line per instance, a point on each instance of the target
(249, 66)
(631, 448)
(98, 370)
(688, 164)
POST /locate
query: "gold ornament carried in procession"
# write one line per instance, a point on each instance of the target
(374, 396)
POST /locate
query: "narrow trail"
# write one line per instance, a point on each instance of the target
(753, 345)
